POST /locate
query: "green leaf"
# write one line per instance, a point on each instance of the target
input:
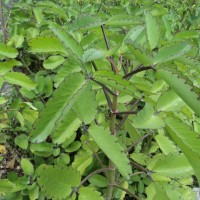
(86, 107)
(98, 180)
(187, 35)
(187, 140)
(54, 8)
(105, 140)
(169, 101)
(22, 141)
(93, 54)
(6, 186)
(121, 20)
(48, 44)
(27, 166)
(165, 144)
(58, 106)
(153, 31)
(7, 51)
(140, 56)
(171, 52)
(68, 41)
(8, 65)
(86, 22)
(86, 193)
(182, 87)
(173, 166)
(53, 62)
(115, 81)
(43, 149)
(20, 79)
(82, 160)
(66, 129)
(147, 119)
(56, 182)
(3, 100)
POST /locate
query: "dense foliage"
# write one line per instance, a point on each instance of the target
(100, 100)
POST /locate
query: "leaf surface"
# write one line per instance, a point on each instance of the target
(153, 31)
(60, 104)
(187, 140)
(20, 79)
(104, 140)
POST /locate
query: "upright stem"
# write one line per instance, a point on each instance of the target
(2, 22)
(111, 174)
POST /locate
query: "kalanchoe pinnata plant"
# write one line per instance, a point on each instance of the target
(106, 100)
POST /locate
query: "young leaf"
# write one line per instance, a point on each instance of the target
(53, 61)
(22, 141)
(171, 52)
(82, 160)
(147, 119)
(105, 140)
(19, 79)
(58, 106)
(187, 92)
(98, 180)
(7, 51)
(87, 193)
(153, 31)
(56, 182)
(187, 140)
(27, 166)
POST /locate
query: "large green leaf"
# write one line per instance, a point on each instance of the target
(116, 81)
(48, 44)
(86, 22)
(169, 101)
(105, 141)
(152, 27)
(173, 166)
(187, 140)
(20, 79)
(182, 87)
(171, 52)
(56, 182)
(94, 54)
(62, 131)
(58, 106)
(8, 51)
(147, 119)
